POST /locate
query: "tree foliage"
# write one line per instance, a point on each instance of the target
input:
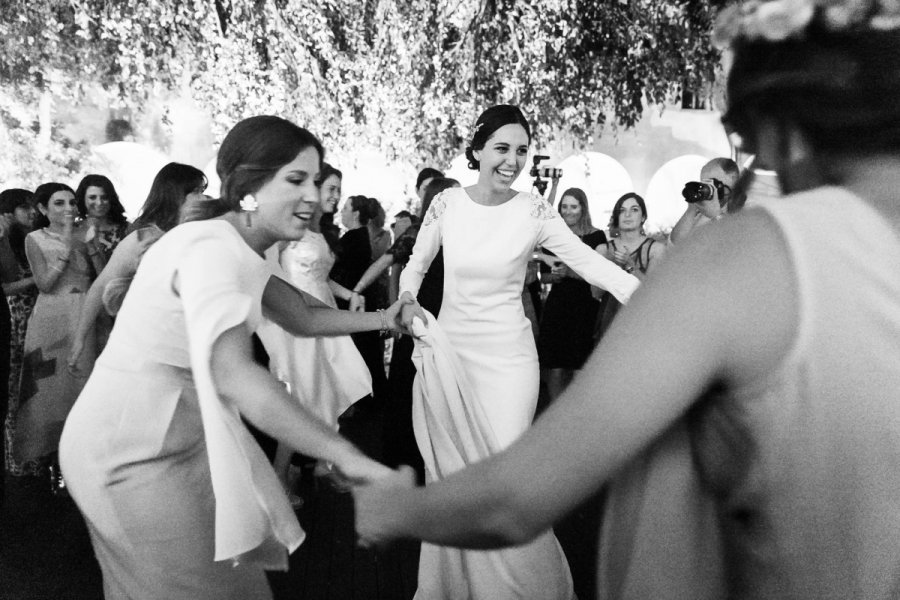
(406, 76)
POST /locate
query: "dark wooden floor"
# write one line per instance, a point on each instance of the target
(45, 552)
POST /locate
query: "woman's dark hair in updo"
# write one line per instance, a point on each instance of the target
(490, 121)
(840, 88)
(250, 155)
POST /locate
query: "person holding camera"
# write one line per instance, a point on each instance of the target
(706, 198)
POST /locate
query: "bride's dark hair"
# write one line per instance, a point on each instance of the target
(490, 121)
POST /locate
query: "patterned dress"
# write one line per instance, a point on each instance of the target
(20, 307)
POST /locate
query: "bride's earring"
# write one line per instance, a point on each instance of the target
(249, 205)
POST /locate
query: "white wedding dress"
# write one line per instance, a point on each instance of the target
(486, 251)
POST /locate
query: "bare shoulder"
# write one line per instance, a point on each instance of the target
(739, 269)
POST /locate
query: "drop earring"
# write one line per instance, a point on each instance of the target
(249, 206)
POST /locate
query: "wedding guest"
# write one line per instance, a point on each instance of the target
(179, 500)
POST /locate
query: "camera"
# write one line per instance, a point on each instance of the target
(701, 191)
(546, 172)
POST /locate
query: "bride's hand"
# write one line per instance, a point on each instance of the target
(376, 502)
(409, 311)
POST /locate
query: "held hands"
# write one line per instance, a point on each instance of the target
(376, 502)
(358, 469)
(395, 313)
(409, 311)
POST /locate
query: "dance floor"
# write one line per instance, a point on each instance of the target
(45, 552)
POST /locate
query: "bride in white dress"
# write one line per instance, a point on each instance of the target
(488, 232)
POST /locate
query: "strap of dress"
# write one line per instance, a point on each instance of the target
(644, 254)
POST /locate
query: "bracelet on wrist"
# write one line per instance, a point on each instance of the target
(384, 323)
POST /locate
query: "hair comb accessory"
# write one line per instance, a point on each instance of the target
(477, 127)
(249, 205)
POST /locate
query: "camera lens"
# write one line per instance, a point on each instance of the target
(697, 191)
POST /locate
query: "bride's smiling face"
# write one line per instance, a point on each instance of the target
(503, 156)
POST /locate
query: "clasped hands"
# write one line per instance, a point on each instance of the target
(623, 258)
(375, 502)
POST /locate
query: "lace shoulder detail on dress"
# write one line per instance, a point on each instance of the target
(437, 208)
(541, 209)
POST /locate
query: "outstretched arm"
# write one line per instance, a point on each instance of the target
(264, 402)
(698, 320)
(373, 272)
(286, 306)
(594, 268)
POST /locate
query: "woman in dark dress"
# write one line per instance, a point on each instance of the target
(354, 256)
(570, 311)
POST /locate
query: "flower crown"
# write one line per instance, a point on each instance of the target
(778, 20)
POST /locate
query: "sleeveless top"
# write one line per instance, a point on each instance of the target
(805, 463)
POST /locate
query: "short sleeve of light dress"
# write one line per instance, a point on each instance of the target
(220, 282)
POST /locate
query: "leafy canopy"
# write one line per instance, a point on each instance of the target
(406, 76)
